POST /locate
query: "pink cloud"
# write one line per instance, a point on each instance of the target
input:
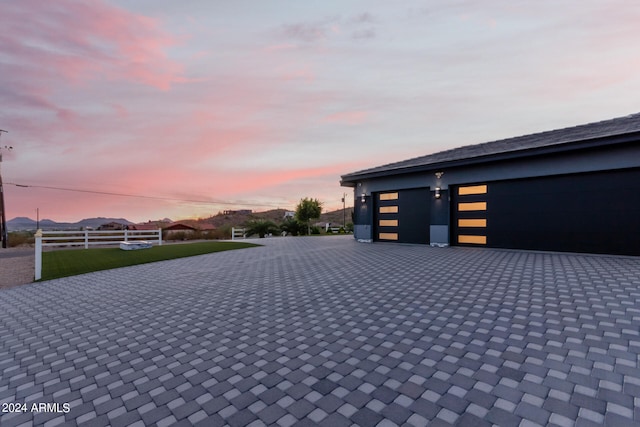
(82, 84)
(243, 182)
(79, 41)
(348, 117)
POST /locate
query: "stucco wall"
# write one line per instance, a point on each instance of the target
(615, 157)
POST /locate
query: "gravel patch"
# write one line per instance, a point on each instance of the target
(17, 266)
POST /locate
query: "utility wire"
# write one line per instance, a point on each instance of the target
(108, 193)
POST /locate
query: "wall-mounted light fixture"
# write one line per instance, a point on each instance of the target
(363, 199)
(437, 193)
(439, 174)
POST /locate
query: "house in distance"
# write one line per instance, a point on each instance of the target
(575, 189)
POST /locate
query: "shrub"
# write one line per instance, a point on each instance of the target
(223, 232)
(18, 238)
(174, 235)
(260, 227)
(293, 227)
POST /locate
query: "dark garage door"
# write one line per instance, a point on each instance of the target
(594, 212)
(402, 216)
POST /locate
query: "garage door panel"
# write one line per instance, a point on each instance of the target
(402, 216)
(595, 212)
(470, 208)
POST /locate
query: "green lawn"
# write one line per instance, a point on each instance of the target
(63, 263)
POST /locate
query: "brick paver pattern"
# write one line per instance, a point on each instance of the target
(328, 331)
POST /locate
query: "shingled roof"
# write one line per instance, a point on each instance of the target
(560, 138)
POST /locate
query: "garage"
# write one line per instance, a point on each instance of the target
(574, 189)
(402, 216)
(591, 212)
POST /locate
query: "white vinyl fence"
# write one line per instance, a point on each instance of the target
(238, 233)
(88, 238)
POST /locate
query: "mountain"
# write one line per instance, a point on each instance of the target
(21, 223)
(24, 223)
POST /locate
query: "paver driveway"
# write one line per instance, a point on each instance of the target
(328, 331)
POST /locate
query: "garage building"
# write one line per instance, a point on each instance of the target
(575, 189)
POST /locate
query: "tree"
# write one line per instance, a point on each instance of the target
(260, 227)
(307, 210)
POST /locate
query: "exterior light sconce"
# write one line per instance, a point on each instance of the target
(363, 199)
(437, 193)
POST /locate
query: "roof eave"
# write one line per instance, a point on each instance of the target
(350, 180)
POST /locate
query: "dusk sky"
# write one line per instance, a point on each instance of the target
(206, 105)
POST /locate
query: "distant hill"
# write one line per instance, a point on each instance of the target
(336, 217)
(238, 219)
(21, 223)
(24, 223)
(219, 221)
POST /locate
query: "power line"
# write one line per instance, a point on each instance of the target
(108, 193)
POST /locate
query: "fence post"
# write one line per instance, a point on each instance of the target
(38, 272)
(86, 239)
(159, 236)
(233, 233)
(126, 235)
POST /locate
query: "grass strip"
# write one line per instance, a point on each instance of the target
(64, 263)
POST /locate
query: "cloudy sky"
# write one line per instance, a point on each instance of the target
(205, 105)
